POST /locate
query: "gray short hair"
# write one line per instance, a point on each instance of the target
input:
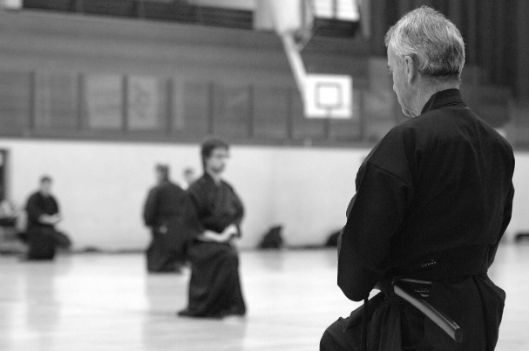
(431, 40)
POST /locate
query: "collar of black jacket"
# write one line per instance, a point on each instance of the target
(443, 98)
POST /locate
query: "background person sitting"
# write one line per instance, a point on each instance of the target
(43, 215)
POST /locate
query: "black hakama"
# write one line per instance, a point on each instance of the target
(41, 238)
(214, 288)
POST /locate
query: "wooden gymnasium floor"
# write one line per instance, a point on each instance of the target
(107, 302)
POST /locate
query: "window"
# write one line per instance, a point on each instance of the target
(232, 104)
(344, 10)
(196, 97)
(104, 101)
(271, 112)
(146, 103)
(56, 103)
(15, 97)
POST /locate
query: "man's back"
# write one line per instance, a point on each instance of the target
(433, 200)
(165, 201)
(460, 172)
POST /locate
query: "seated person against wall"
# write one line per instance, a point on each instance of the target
(43, 215)
(164, 212)
(8, 214)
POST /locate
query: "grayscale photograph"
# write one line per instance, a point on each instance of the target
(264, 175)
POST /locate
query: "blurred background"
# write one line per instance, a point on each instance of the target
(95, 92)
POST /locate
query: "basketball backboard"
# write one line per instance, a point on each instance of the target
(328, 96)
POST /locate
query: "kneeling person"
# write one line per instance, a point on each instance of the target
(43, 215)
(164, 212)
(217, 211)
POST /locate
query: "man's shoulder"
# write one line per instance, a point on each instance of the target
(434, 123)
(198, 185)
(442, 125)
(33, 196)
(173, 187)
(226, 183)
(402, 132)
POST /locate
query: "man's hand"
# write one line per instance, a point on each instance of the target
(230, 231)
(228, 234)
(50, 219)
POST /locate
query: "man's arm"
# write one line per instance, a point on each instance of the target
(507, 214)
(56, 217)
(375, 216)
(149, 208)
(240, 213)
(229, 233)
(33, 210)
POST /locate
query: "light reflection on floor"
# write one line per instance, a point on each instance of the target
(107, 302)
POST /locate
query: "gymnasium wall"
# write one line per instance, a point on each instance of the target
(102, 174)
(101, 187)
(89, 77)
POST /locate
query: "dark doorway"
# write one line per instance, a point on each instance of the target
(3, 174)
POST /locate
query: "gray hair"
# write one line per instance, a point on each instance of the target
(434, 43)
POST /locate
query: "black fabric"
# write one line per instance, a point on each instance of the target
(214, 288)
(8, 222)
(62, 240)
(38, 205)
(165, 212)
(273, 239)
(447, 264)
(216, 206)
(440, 182)
(396, 325)
(41, 237)
(332, 239)
(41, 244)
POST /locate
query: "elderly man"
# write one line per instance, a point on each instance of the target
(433, 200)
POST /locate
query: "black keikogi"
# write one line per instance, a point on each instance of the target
(165, 212)
(433, 200)
(43, 238)
(214, 286)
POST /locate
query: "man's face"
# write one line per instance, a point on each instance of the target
(398, 69)
(216, 163)
(45, 187)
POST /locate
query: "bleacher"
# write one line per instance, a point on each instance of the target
(334, 18)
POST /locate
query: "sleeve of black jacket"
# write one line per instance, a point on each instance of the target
(150, 208)
(376, 214)
(507, 214)
(33, 210)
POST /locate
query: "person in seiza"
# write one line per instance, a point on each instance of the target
(164, 212)
(43, 214)
(214, 287)
(433, 199)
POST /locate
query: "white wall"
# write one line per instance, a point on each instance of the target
(101, 187)
(520, 216)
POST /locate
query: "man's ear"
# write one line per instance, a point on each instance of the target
(411, 69)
